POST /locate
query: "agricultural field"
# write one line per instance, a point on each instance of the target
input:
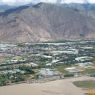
(88, 84)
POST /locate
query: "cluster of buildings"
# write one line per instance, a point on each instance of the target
(49, 54)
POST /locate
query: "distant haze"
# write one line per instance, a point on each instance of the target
(21, 2)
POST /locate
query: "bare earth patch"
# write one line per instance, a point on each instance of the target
(58, 87)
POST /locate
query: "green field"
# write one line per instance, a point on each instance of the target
(90, 84)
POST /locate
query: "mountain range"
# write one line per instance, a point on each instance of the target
(23, 2)
(47, 22)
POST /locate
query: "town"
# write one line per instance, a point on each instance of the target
(37, 62)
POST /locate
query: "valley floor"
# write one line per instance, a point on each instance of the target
(58, 87)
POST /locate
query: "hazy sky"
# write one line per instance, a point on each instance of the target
(12, 2)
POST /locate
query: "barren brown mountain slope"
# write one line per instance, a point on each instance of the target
(45, 22)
